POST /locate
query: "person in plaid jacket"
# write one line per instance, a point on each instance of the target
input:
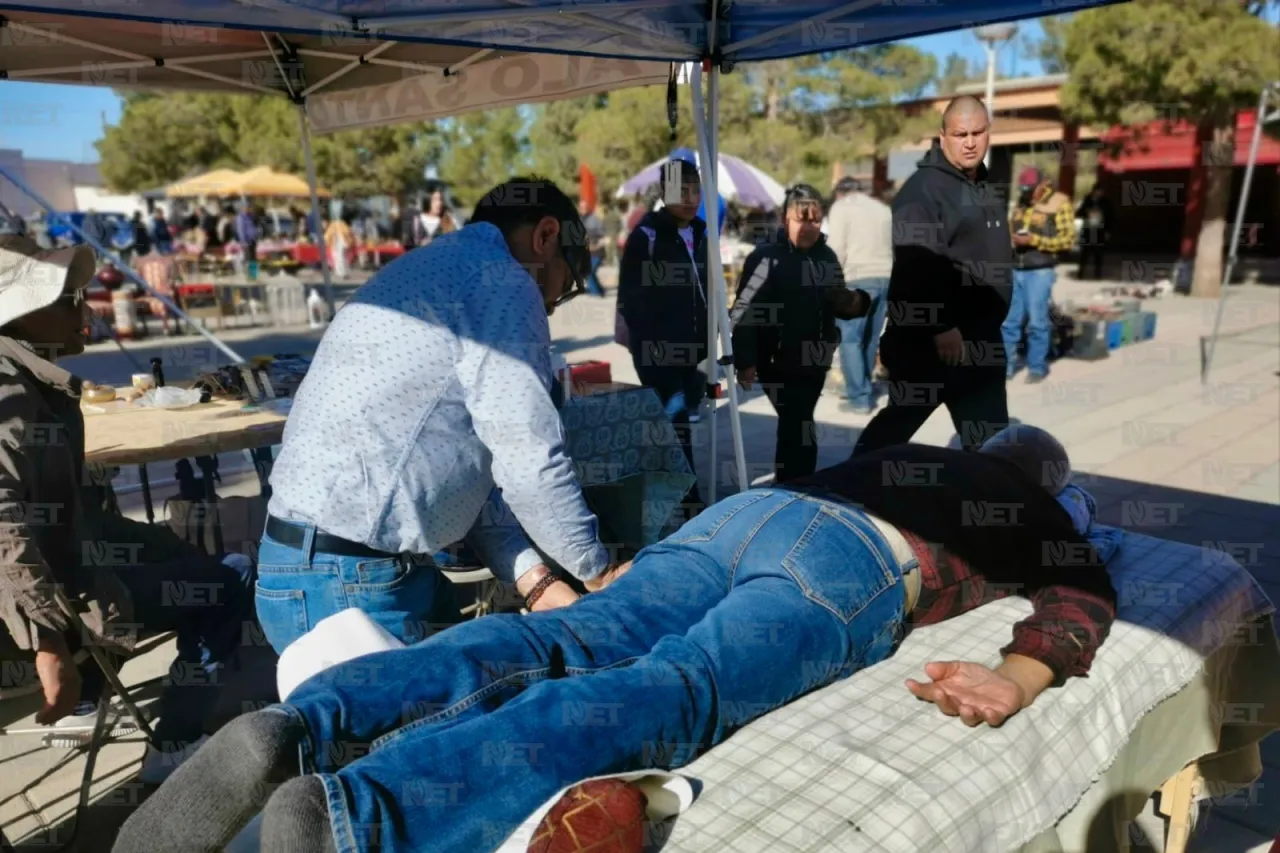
(1044, 229)
(764, 597)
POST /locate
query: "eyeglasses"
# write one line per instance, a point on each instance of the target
(74, 299)
(575, 273)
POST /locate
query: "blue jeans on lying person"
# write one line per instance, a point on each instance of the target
(762, 598)
(299, 586)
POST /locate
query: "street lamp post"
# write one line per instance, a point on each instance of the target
(993, 35)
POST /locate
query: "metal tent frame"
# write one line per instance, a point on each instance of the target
(620, 43)
(1210, 344)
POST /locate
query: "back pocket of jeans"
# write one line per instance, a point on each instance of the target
(281, 612)
(838, 566)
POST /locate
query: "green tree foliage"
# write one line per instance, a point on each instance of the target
(482, 149)
(792, 118)
(956, 71)
(1194, 60)
(1051, 48)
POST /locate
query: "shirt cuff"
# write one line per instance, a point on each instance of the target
(1060, 653)
(527, 560)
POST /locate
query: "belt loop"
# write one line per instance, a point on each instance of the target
(308, 541)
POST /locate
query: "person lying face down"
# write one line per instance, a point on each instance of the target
(764, 597)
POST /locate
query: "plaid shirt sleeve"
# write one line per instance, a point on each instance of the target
(1064, 232)
(1065, 630)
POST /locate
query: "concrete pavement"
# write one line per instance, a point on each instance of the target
(1162, 453)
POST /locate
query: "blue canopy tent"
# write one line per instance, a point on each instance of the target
(364, 63)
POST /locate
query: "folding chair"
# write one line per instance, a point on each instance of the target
(99, 735)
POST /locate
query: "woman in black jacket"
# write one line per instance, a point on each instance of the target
(790, 294)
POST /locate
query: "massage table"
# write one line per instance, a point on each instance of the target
(1176, 702)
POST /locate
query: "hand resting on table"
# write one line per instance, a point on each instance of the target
(978, 694)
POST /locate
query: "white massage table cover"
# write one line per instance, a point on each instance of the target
(864, 766)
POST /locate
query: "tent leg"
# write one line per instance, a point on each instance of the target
(315, 208)
(1232, 254)
(124, 268)
(719, 328)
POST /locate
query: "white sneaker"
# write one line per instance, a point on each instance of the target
(158, 766)
(76, 730)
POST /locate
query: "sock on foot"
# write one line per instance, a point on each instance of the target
(211, 797)
(296, 819)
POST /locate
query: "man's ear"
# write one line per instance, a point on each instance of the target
(546, 236)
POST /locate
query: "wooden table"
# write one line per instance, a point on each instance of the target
(126, 434)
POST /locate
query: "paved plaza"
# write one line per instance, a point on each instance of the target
(1163, 454)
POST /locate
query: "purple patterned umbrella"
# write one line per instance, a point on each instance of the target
(739, 182)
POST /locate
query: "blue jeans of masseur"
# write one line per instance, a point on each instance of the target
(297, 587)
(1032, 294)
(762, 598)
(859, 340)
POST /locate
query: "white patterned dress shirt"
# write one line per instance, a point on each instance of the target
(430, 387)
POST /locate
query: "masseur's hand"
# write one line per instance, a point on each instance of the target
(607, 577)
(950, 346)
(978, 694)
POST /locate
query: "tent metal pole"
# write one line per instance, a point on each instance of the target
(716, 297)
(315, 209)
(1233, 253)
(124, 268)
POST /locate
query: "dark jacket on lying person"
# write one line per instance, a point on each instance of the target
(947, 501)
(784, 319)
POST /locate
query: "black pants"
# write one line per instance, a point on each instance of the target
(667, 382)
(794, 397)
(1090, 258)
(974, 396)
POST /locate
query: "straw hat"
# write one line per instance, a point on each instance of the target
(32, 278)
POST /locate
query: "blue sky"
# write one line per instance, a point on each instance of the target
(62, 122)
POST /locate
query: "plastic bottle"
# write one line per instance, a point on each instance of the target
(317, 310)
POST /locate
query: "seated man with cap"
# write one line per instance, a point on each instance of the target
(59, 531)
(764, 597)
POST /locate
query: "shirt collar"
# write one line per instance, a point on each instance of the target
(42, 369)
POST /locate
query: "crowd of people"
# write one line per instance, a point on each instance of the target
(447, 432)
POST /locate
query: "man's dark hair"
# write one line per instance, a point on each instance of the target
(527, 200)
(847, 184)
(802, 194)
(689, 172)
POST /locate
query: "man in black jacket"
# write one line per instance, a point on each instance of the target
(790, 295)
(662, 299)
(949, 291)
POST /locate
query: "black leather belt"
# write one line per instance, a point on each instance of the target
(292, 535)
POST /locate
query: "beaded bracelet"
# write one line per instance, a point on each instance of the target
(538, 589)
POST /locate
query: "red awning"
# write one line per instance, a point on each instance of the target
(1172, 146)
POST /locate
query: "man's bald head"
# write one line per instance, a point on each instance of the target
(963, 105)
(965, 133)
